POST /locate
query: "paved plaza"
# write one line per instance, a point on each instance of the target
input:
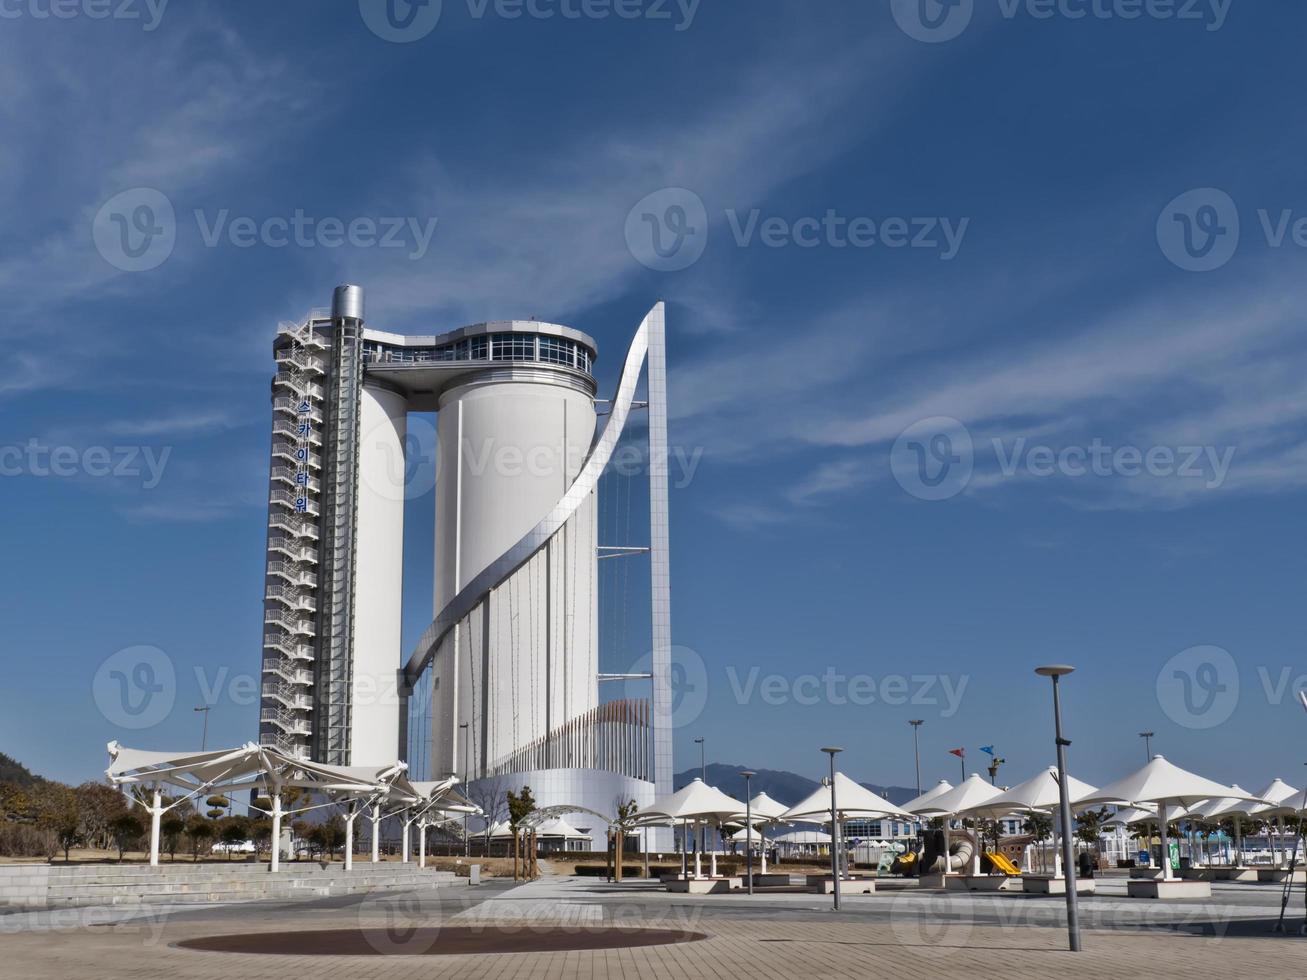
(898, 933)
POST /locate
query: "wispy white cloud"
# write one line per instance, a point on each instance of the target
(195, 109)
(835, 477)
(552, 241)
(1171, 368)
(184, 423)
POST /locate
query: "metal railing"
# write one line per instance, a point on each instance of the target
(298, 528)
(282, 427)
(294, 573)
(296, 549)
(302, 386)
(286, 644)
(290, 620)
(288, 474)
(614, 737)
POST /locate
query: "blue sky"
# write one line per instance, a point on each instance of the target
(1047, 170)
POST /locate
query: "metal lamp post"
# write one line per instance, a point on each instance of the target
(834, 825)
(467, 842)
(1148, 745)
(916, 723)
(1057, 671)
(703, 775)
(748, 826)
(204, 734)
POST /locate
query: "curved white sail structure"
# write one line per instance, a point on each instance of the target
(498, 571)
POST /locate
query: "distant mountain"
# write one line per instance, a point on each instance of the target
(13, 771)
(782, 786)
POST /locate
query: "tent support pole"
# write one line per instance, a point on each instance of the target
(276, 832)
(156, 814)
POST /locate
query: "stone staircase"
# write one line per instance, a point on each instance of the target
(60, 886)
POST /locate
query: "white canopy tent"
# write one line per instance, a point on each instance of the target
(966, 796)
(552, 827)
(424, 803)
(699, 803)
(939, 789)
(764, 810)
(1281, 800)
(1128, 815)
(1041, 793)
(852, 801)
(803, 841)
(1166, 785)
(266, 771)
(1236, 808)
(848, 800)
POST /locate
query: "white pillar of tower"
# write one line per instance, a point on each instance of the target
(660, 555)
(526, 658)
(378, 575)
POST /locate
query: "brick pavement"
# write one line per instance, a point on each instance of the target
(907, 942)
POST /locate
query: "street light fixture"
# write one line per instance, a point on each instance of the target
(1058, 671)
(204, 734)
(703, 775)
(916, 723)
(748, 775)
(1148, 745)
(834, 826)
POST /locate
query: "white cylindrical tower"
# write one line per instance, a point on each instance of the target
(510, 443)
(378, 575)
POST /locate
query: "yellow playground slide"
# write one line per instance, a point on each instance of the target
(1003, 863)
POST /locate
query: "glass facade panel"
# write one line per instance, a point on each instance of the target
(498, 347)
(419, 727)
(514, 347)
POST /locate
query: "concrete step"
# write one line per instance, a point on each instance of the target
(166, 884)
(224, 892)
(252, 873)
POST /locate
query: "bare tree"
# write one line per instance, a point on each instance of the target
(491, 795)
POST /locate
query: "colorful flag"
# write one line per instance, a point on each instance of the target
(987, 749)
(960, 753)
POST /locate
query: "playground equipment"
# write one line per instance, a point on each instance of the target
(961, 849)
(1002, 863)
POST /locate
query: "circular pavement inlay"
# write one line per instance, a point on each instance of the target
(438, 942)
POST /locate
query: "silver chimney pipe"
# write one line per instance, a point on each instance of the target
(347, 303)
